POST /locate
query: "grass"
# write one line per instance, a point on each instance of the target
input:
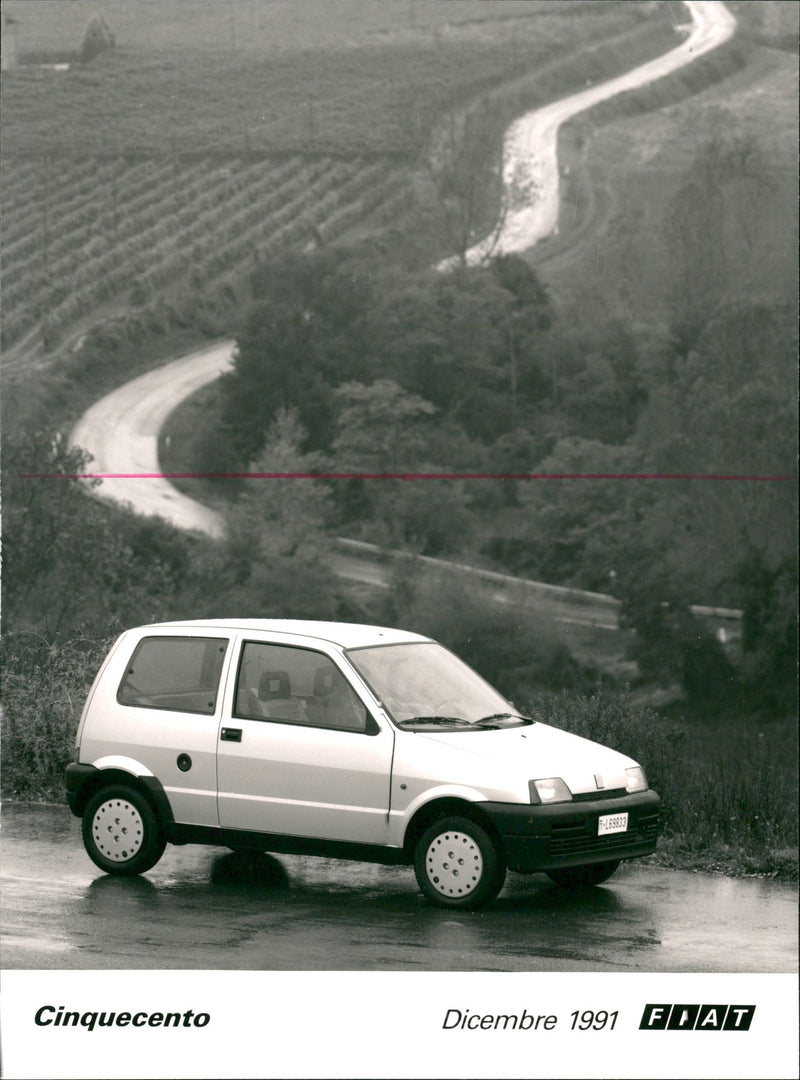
(265, 29)
(716, 858)
(371, 92)
(642, 188)
(738, 787)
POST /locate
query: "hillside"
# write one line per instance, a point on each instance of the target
(623, 398)
(693, 205)
(118, 192)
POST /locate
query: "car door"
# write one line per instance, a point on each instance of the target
(299, 752)
(158, 709)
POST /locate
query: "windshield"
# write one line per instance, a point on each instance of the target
(424, 687)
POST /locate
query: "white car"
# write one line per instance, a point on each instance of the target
(336, 739)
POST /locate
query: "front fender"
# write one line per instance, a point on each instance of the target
(400, 817)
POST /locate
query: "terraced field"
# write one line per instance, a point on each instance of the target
(198, 145)
(132, 229)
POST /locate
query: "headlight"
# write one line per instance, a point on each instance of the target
(635, 780)
(551, 790)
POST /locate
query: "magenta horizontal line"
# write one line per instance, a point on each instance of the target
(752, 478)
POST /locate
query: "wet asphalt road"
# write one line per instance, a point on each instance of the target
(207, 908)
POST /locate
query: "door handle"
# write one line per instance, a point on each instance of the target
(231, 734)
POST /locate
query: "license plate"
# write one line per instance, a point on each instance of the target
(611, 823)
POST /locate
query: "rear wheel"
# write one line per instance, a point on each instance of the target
(458, 864)
(121, 833)
(583, 875)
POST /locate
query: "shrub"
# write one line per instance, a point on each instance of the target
(45, 687)
(740, 791)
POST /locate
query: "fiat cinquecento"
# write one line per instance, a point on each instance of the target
(342, 740)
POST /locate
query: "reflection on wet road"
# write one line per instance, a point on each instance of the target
(208, 908)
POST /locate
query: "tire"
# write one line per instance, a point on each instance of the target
(121, 833)
(458, 865)
(574, 876)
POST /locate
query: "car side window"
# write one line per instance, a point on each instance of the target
(177, 673)
(296, 686)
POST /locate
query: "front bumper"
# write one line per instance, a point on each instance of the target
(565, 834)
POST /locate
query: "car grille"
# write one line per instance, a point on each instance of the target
(582, 838)
(595, 796)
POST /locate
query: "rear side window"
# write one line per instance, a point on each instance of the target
(178, 673)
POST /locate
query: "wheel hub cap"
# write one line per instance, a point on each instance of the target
(454, 864)
(118, 830)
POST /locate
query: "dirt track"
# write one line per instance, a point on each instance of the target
(530, 152)
(121, 433)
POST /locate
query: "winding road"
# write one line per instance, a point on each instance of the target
(120, 432)
(530, 150)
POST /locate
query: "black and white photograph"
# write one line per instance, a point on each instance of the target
(399, 539)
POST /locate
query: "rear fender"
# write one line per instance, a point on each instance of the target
(117, 769)
(119, 761)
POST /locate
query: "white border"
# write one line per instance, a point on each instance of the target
(382, 1024)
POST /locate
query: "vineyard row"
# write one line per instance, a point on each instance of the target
(100, 234)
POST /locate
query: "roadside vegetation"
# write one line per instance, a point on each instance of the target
(307, 234)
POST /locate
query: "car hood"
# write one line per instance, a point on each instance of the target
(539, 751)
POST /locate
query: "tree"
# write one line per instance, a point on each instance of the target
(468, 341)
(703, 249)
(585, 531)
(273, 562)
(528, 313)
(769, 631)
(382, 428)
(429, 517)
(67, 558)
(464, 178)
(445, 341)
(308, 328)
(597, 383)
(379, 427)
(670, 645)
(721, 408)
(521, 281)
(286, 514)
(97, 39)
(276, 366)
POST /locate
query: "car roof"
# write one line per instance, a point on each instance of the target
(346, 635)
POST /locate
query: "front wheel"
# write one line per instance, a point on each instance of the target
(458, 864)
(121, 832)
(583, 875)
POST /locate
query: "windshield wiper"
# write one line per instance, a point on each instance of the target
(488, 721)
(437, 721)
